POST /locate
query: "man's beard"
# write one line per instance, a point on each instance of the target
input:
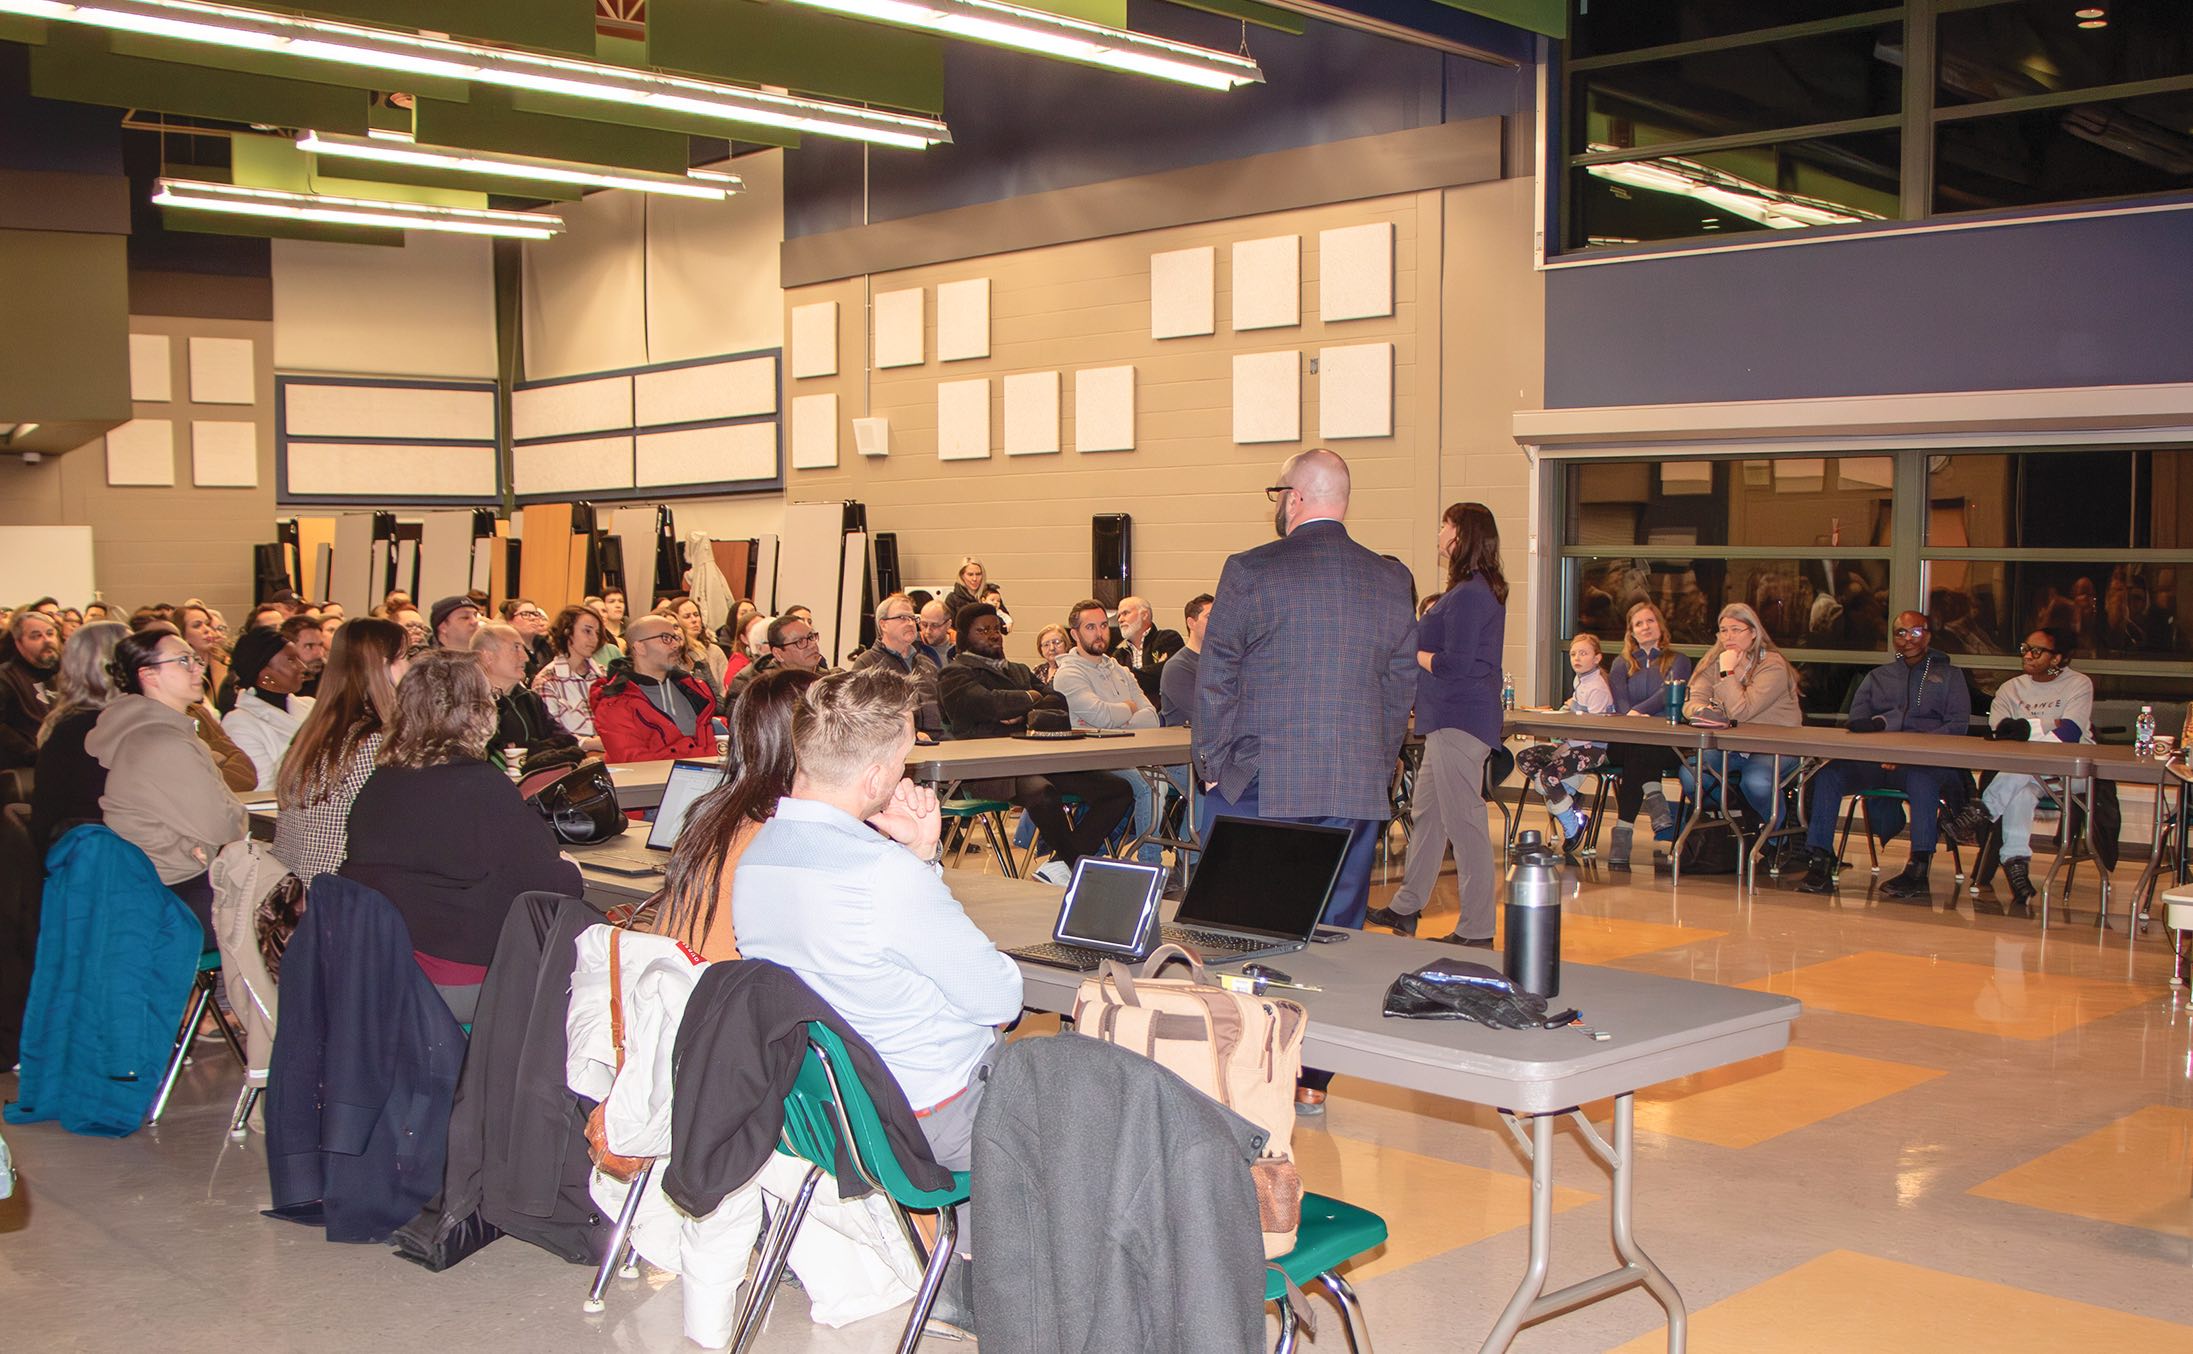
(1279, 522)
(1097, 652)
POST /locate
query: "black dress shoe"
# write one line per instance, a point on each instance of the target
(1400, 923)
(1819, 873)
(1457, 938)
(1912, 883)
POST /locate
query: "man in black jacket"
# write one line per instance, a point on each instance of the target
(26, 685)
(986, 696)
(522, 718)
(1142, 647)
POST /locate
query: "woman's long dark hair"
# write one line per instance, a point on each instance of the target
(1476, 549)
(761, 743)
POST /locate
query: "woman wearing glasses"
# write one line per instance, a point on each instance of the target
(1743, 679)
(164, 795)
(2045, 703)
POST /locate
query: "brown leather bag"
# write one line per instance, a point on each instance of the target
(597, 1133)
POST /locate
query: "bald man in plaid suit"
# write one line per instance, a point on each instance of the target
(1308, 673)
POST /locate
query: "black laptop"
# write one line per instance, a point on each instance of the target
(1109, 912)
(1259, 888)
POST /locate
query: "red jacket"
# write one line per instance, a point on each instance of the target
(633, 729)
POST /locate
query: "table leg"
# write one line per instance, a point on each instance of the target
(1766, 834)
(1531, 1302)
(2143, 893)
(2086, 848)
(1675, 848)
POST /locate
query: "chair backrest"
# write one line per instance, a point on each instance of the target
(828, 1103)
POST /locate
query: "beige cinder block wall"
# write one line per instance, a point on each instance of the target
(1193, 493)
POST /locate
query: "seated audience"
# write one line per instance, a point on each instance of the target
(70, 621)
(104, 611)
(895, 649)
(208, 638)
(309, 635)
(1176, 685)
(696, 907)
(1053, 642)
(842, 887)
(163, 794)
(2045, 703)
(26, 685)
(1102, 694)
(526, 617)
(443, 835)
(453, 621)
(522, 718)
(702, 658)
(1639, 681)
(985, 695)
(647, 708)
(791, 643)
(936, 633)
(336, 750)
(1143, 648)
(1551, 766)
(70, 780)
(613, 619)
(268, 711)
(968, 590)
(995, 596)
(568, 678)
(1917, 691)
(1743, 677)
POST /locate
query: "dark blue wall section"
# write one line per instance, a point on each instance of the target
(2098, 301)
(1024, 124)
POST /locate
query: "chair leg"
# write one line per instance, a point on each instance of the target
(221, 1020)
(196, 1012)
(770, 1271)
(1286, 1327)
(932, 1279)
(620, 1239)
(239, 1124)
(1352, 1319)
(993, 827)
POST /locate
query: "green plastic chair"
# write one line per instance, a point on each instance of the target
(203, 984)
(828, 1104)
(1851, 816)
(991, 814)
(1332, 1234)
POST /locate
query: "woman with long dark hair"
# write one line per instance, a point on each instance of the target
(1640, 678)
(696, 907)
(565, 682)
(1458, 713)
(334, 752)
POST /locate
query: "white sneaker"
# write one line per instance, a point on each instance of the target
(1056, 872)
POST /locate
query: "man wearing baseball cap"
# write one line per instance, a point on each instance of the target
(454, 619)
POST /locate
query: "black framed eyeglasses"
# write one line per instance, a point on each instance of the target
(900, 616)
(2034, 651)
(1276, 490)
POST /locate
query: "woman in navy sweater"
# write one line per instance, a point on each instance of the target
(1458, 712)
(1640, 682)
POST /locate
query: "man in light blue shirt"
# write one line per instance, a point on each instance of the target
(843, 887)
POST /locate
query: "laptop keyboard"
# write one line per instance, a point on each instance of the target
(1061, 955)
(1204, 941)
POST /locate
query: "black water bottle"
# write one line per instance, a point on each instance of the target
(1533, 948)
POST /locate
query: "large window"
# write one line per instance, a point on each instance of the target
(1990, 545)
(1700, 119)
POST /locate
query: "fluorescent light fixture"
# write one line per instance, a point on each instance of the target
(404, 151)
(405, 53)
(1733, 194)
(1033, 30)
(235, 200)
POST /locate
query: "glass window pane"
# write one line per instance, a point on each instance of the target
(1789, 501)
(1804, 603)
(2082, 151)
(2127, 611)
(2038, 47)
(2105, 498)
(1607, 26)
(1830, 77)
(1837, 180)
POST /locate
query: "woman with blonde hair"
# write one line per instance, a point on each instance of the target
(1743, 679)
(702, 656)
(968, 590)
(1052, 644)
(335, 751)
(1639, 681)
(70, 780)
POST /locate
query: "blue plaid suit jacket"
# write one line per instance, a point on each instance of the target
(1307, 676)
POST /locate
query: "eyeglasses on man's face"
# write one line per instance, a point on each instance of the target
(794, 641)
(895, 617)
(1276, 490)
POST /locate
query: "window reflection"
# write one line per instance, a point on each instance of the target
(2115, 610)
(2080, 500)
(1804, 603)
(1789, 502)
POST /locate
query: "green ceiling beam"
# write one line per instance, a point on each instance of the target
(16, 28)
(275, 162)
(266, 228)
(1550, 17)
(807, 51)
(547, 25)
(280, 67)
(492, 121)
(1249, 11)
(1112, 13)
(327, 169)
(630, 115)
(77, 67)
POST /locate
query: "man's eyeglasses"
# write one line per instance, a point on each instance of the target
(900, 616)
(1276, 490)
(1907, 631)
(2034, 651)
(794, 641)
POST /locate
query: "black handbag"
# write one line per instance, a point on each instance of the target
(579, 802)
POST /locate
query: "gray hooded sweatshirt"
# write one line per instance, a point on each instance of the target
(164, 794)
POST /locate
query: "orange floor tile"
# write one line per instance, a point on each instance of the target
(2135, 1171)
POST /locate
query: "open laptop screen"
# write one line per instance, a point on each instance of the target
(688, 782)
(1265, 877)
(1111, 904)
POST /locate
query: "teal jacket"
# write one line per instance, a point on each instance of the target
(116, 953)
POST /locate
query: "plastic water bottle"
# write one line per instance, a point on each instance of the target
(1507, 692)
(1533, 948)
(2143, 732)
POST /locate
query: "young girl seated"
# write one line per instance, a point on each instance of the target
(1551, 766)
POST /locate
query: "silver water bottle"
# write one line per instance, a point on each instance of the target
(1533, 946)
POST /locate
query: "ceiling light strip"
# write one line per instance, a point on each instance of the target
(404, 53)
(402, 150)
(237, 200)
(1056, 35)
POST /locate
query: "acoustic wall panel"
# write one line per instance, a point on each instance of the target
(963, 319)
(899, 321)
(963, 420)
(151, 369)
(141, 451)
(1031, 414)
(1267, 283)
(699, 392)
(1268, 397)
(1104, 409)
(384, 409)
(586, 465)
(223, 370)
(814, 432)
(1183, 293)
(394, 472)
(224, 454)
(1355, 391)
(719, 455)
(815, 340)
(571, 407)
(1355, 272)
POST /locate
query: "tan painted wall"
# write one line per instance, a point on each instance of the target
(162, 544)
(1195, 495)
